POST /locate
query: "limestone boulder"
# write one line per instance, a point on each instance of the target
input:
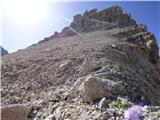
(94, 88)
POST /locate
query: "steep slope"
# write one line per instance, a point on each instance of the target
(59, 75)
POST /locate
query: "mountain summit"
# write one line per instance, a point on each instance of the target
(96, 68)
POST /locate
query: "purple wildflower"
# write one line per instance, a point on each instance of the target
(134, 113)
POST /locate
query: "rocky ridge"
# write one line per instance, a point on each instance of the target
(91, 70)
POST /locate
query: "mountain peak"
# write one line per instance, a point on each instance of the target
(104, 19)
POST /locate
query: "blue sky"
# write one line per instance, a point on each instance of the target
(17, 36)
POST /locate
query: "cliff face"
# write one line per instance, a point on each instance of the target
(65, 76)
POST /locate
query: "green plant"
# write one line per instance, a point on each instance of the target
(158, 113)
(120, 104)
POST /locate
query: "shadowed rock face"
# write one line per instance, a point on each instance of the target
(3, 51)
(64, 72)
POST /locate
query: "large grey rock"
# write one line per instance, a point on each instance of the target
(14, 112)
(94, 88)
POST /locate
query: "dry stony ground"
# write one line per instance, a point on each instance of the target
(50, 77)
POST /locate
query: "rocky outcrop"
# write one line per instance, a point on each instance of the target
(138, 35)
(3, 51)
(14, 112)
